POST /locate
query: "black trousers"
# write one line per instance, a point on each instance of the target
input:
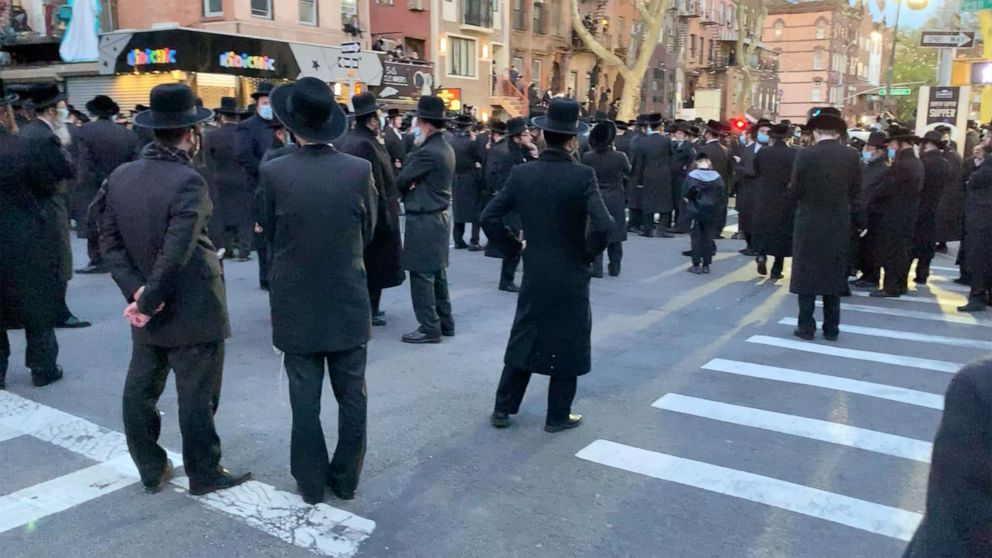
(458, 233)
(614, 251)
(308, 448)
(701, 236)
(198, 370)
(93, 236)
(239, 237)
(262, 247)
(431, 302)
(981, 288)
(636, 219)
(831, 313)
(508, 271)
(513, 385)
(375, 297)
(897, 269)
(40, 355)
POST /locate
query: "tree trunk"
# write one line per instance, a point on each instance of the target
(630, 101)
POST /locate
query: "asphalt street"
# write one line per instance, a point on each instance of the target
(708, 432)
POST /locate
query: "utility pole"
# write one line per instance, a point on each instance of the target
(889, 101)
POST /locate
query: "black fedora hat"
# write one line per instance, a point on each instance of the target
(620, 124)
(6, 97)
(229, 106)
(781, 130)
(602, 134)
(877, 139)
(393, 113)
(464, 120)
(430, 107)
(516, 126)
(562, 118)
(102, 105)
(898, 133)
(687, 128)
(264, 90)
(762, 123)
(935, 138)
(45, 95)
(827, 118)
(173, 105)
(498, 127)
(601, 116)
(653, 119)
(715, 127)
(365, 103)
(308, 109)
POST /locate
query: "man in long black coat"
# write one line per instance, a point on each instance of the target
(383, 254)
(936, 177)
(467, 187)
(235, 195)
(102, 145)
(567, 225)
(722, 163)
(825, 179)
(747, 202)
(318, 230)
(612, 168)
(867, 214)
(425, 183)
(774, 205)
(393, 136)
(28, 265)
(252, 138)
(652, 176)
(683, 157)
(153, 236)
(513, 147)
(898, 200)
(977, 243)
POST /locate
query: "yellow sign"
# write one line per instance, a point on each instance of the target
(452, 97)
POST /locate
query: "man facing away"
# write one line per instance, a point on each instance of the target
(567, 226)
(319, 212)
(153, 236)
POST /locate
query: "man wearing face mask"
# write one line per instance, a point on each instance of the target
(898, 199)
(936, 176)
(747, 202)
(683, 156)
(867, 214)
(253, 137)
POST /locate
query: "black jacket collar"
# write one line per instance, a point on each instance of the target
(553, 155)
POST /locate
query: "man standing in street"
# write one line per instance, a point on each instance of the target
(103, 145)
(652, 176)
(425, 183)
(774, 208)
(977, 241)
(567, 226)
(467, 187)
(393, 137)
(747, 199)
(318, 230)
(153, 236)
(936, 176)
(866, 213)
(233, 190)
(722, 163)
(825, 179)
(252, 138)
(513, 147)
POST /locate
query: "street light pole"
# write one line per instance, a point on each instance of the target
(892, 58)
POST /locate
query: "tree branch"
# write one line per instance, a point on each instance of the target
(594, 45)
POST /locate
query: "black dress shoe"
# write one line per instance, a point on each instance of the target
(687, 253)
(311, 499)
(775, 276)
(865, 284)
(762, 265)
(832, 336)
(665, 234)
(706, 269)
(73, 323)
(572, 422)
(614, 270)
(598, 274)
(418, 337)
(448, 332)
(747, 252)
(93, 269)
(460, 245)
(804, 335)
(695, 270)
(500, 419)
(165, 478)
(963, 281)
(378, 321)
(647, 234)
(340, 493)
(509, 287)
(973, 306)
(223, 480)
(44, 378)
(474, 247)
(883, 294)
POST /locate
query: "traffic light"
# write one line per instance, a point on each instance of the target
(738, 124)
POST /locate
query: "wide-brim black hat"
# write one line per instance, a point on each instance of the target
(898, 133)
(877, 139)
(650, 119)
(308, 109)
(935, 138)
(102, 105)
(762, 123)
(602, 134)
(172, 105)
(464, 120)
(601, 116)
(229, 106)
(827, 118)
(620, 124)
(45, 95)
(780, 131)
(393, 113)
(264, 90)
(498, 127)
(6, 97)
(516, 126)
(716, 127)
(365, 103)
(430, 107)
(562, 117)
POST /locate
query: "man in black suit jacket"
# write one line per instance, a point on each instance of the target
(252, 140)
(318, 230)
(233, 190)
(722, 163)
(393, 136)
(652, 176)
(154, 238)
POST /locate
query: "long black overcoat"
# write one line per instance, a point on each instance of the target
(773, 204)
(503, 156)
(897, 201)
(383, 254)
(825, 180)
(611, 168)
(425, 183)
(320, 211)
(467, 187)
(978, 222)
(395, 145)
(567, 225)
(29, 266)
(723, 164)
(747, 199)
(950, 209)
(102, 146)
(652, 173)
(936, 177)
(253, 137)
(227, 175)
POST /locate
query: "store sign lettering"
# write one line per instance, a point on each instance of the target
(232, 59)
(149, 56)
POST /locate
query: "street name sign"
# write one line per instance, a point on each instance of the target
(947, 39)
(355, 48)
(897, 92)
(975, 5)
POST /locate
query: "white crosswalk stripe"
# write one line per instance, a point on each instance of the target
(813, 502)
(822, 430)
(906, 335)
(872, 356)
(942, 299)
(963, 319)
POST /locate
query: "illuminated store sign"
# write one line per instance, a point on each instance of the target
(232, 59)
(146, 57)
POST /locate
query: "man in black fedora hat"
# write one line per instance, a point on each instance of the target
(825, 180)
(652, 176)
(722, 163)
(936, 176)
(567, 226)
(235, 206)
(253, 137)
(102, 146)
(318, 230)
(683, 157)
(153, 236)
(467, 187)
(382, 256)
(875, 164)
(393, 136)
(425, 183)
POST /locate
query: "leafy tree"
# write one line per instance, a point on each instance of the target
(913, 64)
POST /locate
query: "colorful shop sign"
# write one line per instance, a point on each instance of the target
(149, 57)
(231, 59)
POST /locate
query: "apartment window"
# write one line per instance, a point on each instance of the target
(213, 8)
(519, 15)
(622, 32)
(308, 12)
(349, 11)
(535, 72)
(477, 12)
(385, 2)
(556, 17)
(779, 29)
(540, 18)
(692, 47)
(821, 28)
(818, 58)
(261, 8)
(461, 61)
(817, 93)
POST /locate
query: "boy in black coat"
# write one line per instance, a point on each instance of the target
(703, 193)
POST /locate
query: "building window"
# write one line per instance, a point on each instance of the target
(821, 28)
(818, 58)
(308, 12)
(779, 29)
(261, 8)
(519, 15)
(817, 93)
(385, 2)
(213, 8)
(461, 61)
(535, 72)
(556, 17)
(349, 12)
(477, 12)
(540, 18)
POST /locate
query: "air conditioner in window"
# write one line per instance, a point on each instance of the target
(415, 5)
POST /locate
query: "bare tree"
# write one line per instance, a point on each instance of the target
(748, 38)
(633, 69)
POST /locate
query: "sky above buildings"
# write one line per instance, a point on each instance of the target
(909, 17)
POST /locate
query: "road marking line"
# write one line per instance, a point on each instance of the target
(845, 510)
(41, 500)
(915, 314)
(924, 299)
(944, 268)
(870, 356)
(7, 433)
(824, 431)
(321, 529)
(906, 335)
(878, 391)
(952, 287)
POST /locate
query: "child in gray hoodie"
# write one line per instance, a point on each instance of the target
(702, 191)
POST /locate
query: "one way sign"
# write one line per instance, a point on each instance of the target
(947, 39)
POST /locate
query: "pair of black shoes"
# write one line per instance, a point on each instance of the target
(223, 479)
(501, 419)
(699, 270)
(809, 336)
(418, 337)
(38, 379)
(378, 318)
(338, 492)
(509, 287)
(73, 322)
(474, 247)
(93, 269)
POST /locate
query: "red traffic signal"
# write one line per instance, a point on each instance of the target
(738, 124)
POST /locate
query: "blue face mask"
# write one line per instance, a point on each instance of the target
(763, 137)
(265, 112)
(892, 153)
(742, 139)
(866, 156)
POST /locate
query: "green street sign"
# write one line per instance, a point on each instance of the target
(975, 5)
(897, 91)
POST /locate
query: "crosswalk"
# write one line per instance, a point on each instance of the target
(772, 358)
